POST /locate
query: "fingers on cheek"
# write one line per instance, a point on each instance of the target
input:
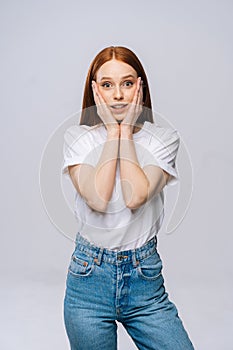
(141, 94)
(139, 84)
(94, 93)
(96, 97)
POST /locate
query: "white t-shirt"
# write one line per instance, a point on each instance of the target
(121, 228)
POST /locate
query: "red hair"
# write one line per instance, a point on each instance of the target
(89, 116)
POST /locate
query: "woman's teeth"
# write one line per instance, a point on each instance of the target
(119, 106)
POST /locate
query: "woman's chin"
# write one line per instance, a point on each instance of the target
(119, 117)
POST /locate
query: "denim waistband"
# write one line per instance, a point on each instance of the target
(115, 257)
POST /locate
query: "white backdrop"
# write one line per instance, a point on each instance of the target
(46, 49)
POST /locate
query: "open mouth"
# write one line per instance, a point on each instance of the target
(118, 108)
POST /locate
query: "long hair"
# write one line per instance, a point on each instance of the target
(89, 116)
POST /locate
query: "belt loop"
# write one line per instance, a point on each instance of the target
(99, 258)
(134, 258)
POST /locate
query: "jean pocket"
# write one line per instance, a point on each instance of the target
(150, 268)
(81, 265)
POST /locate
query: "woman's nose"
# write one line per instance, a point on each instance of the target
(118, 93)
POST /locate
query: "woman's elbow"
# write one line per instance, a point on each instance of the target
(99, 205)
(136, 202)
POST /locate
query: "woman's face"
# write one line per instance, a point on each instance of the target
(116, 82)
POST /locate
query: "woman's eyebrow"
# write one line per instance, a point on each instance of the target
(126, 76)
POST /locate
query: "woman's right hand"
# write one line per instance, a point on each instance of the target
(103, 110)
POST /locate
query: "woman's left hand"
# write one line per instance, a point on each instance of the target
(135, 108)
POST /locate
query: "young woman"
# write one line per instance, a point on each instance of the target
(119, 161)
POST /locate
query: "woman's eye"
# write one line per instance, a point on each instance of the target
(128, 83)
(107, 85)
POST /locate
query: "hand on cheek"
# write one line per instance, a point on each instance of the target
(135, 107)
(102, 109)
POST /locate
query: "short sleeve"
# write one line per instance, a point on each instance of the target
(163, 149)
(77, 147)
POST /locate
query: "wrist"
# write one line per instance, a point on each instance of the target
(126, 130)
(113, 132)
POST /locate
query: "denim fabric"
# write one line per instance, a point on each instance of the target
(103, 286)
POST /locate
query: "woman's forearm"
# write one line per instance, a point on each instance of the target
(105, 171)
(134, 182)
(98, 186)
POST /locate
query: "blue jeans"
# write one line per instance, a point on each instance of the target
(103, 286)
